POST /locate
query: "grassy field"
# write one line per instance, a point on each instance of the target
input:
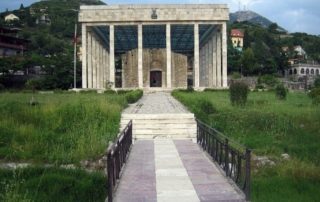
(51, 184)
(62, 128)
(270, 127)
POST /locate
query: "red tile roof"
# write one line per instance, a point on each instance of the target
(236, 33)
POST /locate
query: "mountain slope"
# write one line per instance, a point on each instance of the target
(252, 17)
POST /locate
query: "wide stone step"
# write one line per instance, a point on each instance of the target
(163, 131)
(159, 121)
(156, 116)
(154, 136)
(161, 126)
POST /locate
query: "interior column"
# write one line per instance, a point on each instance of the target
(168, 46)
(89, 60)
(219, 59)
(111, 57)
(140, 62)
(196, 56)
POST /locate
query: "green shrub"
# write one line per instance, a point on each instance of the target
(206, 106)
(238, 93)
(133, 96)
(236, 75)
(190, 89)
(281, 92)
(1, 87)
(259, 86)
(317, 82)
(33, 84)
(269, 80)
(315, 95)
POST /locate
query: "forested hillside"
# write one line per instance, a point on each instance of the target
(262, 52)
(51, 44)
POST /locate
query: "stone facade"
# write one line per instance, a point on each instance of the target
(153, 60)
(138, 13)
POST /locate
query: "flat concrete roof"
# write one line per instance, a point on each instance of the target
(128, 13)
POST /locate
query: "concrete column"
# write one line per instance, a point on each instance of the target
(214, 60)
(140, 59)
(89, 60)
(107, 67)
(98, 64)
(94, 63)
(168, 46)
(224, 56)
(196, 56)
(111, 56)
(219, 65)
(104, 67)
(84, 56)
(210, 54)
(207, 64)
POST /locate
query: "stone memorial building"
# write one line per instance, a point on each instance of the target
(154, 46)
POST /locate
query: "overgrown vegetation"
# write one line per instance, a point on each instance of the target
(51, 184)
(281, 92)
(133, 96)
(270, 127)
(239, 93)
(62, 128)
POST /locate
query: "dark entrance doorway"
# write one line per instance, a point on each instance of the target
(155, 79)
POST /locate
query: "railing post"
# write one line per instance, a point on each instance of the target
(226, 158)
(110, 176)
(248, 174)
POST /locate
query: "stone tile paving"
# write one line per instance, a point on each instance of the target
(171, 186)
(138, 182)
(209, 183)
(173, 170)
(156, 103)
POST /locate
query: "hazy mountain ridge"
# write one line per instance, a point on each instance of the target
(252, 17)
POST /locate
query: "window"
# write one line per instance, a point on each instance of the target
(290, 71)
(317, 72)
(312, 71)
(307, 71)
(302, 71)
(295, 71)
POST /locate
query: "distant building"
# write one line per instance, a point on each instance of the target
(43, 19)
(310, 69)
(237, 39)
(300, 52)
(10, 44)
(11, 17)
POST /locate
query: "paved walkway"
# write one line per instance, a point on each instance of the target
(156, 103)
(172, 171)
(167, 170)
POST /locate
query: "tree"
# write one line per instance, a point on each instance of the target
(21, 7)
(248, 61)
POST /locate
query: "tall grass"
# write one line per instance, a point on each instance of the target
(270, 127)
(51, 184)
(62, 128)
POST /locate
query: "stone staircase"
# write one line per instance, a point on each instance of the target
(151, 126)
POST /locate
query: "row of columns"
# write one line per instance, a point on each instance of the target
(213, 63)
(98, 63)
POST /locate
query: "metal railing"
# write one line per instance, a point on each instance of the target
(233, 158)
(116, 157)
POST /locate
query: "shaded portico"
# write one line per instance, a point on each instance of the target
(146, 46)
